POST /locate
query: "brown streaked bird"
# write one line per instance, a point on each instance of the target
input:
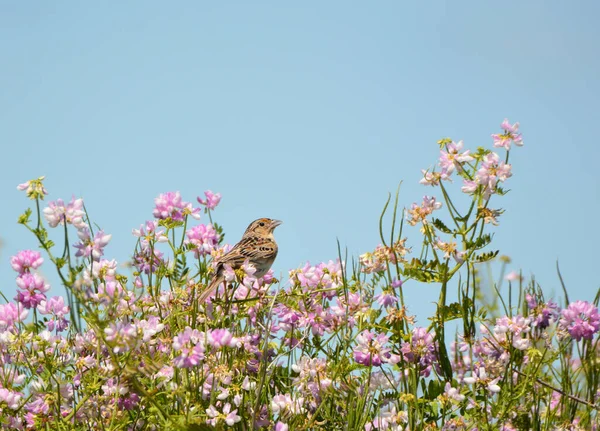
(257, 246)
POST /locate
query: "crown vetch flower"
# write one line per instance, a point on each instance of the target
(204, 238)
(34, 188)
(510, 134)
(25, 260)
(91, 247)
(33, 289)
(580, 319)
(453, 158)
(211, 201)
(418, 213)
(72, 213)
(371, 349)
(10, 314)
(170, 205)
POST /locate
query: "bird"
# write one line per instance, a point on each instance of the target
(257, 246)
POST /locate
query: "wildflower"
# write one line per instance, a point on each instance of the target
(170, 205)
(371, 349)
(34, 188)
(10, 398)
(228, 416)
(219, 338)
(122, 336)
(422, 350)
(543, 313)
(32, 289)
(312, 375)
(509, 135)
(491, 172)
(25, 260)
(204, 238)
(580, 319)
(150, 233)
(190, 345)
(56, 307)
(280, 426)
(480, 377)
(58, 213)
(89, 247)
(211, 201)
(430, 178)
(453, 158)
(386, 299)
(285, 403)
(419, 213)
(147, 260)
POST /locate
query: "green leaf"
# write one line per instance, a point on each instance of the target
(24, 218)
(441, 226)
(484, 257)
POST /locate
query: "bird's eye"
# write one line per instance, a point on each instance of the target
(262, 223)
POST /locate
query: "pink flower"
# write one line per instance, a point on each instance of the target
(57, 308)
(33, 289)
(430, 178)
(511, 134)
(58, 213)
(418, 213)
(228, 416)
(190, 346)
(204, 238)
(150, 232)
(371, 349)
(453, 158)
(211, 201)
(581, 319)
(170, 205)
(219, 338)
(491, 172)
(89, 247)
(10, 314)
(10, 399)
(25, 260)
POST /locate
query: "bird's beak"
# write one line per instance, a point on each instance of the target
(275, 223)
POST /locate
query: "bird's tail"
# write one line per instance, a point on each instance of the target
(211, 289)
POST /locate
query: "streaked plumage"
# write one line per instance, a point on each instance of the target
(257, 246)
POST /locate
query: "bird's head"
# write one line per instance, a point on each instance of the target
(263, 226)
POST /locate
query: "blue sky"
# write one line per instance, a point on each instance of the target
(306, 112)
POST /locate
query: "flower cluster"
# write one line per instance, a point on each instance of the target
(332, 347)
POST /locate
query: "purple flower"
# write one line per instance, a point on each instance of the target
(145, 261)
(422, 350)
(581, 319)
(491, 172)
(89, 247)
(221, 338)
(170, 205)
(204, 238)
(511, 134)
(33, 289)
(57, 308)
(190, 346)
(371, 349)
(453, 158)
(25, 260)
(58, 213)
(211, 201)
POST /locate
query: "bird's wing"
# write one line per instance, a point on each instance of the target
(251, 247)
